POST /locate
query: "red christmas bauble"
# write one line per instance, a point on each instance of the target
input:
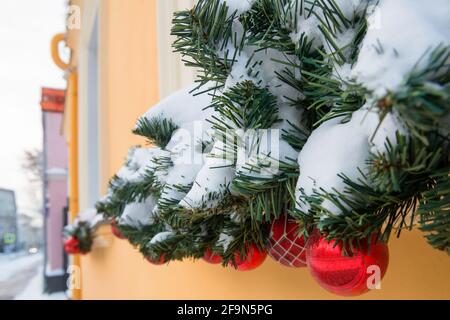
(71, 246)
(157, 262)
(286, 245)
(116, 230)
(254, 258)
(349, 275)
(211, 257)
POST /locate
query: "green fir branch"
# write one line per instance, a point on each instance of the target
(434, 211)
(200, 33)
(246, 106)
(157, 130)
(423, 102)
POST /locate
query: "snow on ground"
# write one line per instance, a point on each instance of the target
(21, 278)
(34, 290)
(12, 263)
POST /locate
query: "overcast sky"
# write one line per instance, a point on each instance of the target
(26, 28)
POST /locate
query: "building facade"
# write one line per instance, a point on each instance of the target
(121, 64)
(8, 221)
(55, 188)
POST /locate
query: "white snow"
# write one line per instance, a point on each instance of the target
(308, 24)
(210, 186)
(407, 29)
(35, 290)
(89, 215)
(341, 148)
(238, 6)
(183, 108)
(224, 241)
(53, 273)
(342, 41)
(186, 145)
(213, 178)
(138, 214)
(184, 149)
(289, 116)
(274, 62)
(262, 68)
(139, 161)
(264, 149)
(350, 7)
(240, 71)
(217, 173)
(10, 264)
(161, 237)
(236, 217)
(187, 159)
(181, 174)
(56, 172)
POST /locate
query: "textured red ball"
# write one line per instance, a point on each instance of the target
(211, 257)
(71, 246)
(161, 260)
(346, 275)
(286, 244)
(254, 258)
(115, 230)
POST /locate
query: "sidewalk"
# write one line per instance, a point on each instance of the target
(21, 278)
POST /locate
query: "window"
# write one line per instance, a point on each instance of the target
(93, 162)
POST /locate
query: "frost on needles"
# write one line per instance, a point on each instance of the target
(335, 112)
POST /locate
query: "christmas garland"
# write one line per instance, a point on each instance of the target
(79, 236)
(311, 135)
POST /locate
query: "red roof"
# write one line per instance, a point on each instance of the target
(52, 100)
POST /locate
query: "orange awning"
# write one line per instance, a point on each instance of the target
(52, 100)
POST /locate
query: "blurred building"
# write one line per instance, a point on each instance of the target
(121, 63)
(30, 230)
(55, 188)
(8, 221)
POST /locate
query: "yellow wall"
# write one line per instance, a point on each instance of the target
(173, 75)
(129, 84)
(128, 80)
(120, 272)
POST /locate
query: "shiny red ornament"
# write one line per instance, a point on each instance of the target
(157, 262)
(349, 275)
(211, 257)
(286, 245)
(115, 230)
(71, 246)
(254, 258)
